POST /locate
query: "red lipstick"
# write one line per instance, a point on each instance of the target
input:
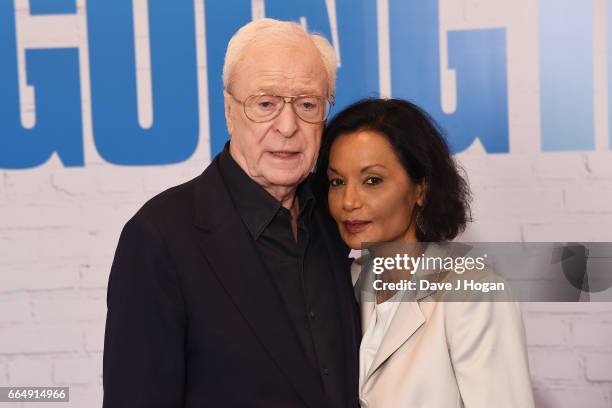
(355, 226)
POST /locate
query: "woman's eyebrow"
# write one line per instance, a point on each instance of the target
(370, 166)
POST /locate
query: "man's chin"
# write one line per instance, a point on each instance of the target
(285, 177)
(287, 182)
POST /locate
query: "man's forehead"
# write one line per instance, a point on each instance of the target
(270, 65)
(283, 79)
(278, 81)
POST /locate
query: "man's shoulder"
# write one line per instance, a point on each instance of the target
(170, 208)
(171, 200)
(177, 203)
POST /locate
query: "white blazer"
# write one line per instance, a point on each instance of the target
(447, 355)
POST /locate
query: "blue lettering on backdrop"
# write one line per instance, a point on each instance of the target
(479, 59)
(118, 136)
(357, 33)
(477, 56)
(223, 19)
(54, 74)
(52, 7)
(357, 76)
(566, 75)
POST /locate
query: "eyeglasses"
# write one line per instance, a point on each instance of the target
(264, 108)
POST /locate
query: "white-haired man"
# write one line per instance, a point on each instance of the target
(233, 289)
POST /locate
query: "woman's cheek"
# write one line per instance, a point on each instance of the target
(378, 207)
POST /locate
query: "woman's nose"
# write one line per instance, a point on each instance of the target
(351, 199)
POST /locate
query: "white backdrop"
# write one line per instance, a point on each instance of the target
(59, 226)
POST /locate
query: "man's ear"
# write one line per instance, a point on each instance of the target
(227, 102)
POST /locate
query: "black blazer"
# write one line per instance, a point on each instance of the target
(194, 319)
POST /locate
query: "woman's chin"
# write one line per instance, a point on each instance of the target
(354, 241)
(354, 246)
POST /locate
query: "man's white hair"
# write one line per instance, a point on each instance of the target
(268, 29)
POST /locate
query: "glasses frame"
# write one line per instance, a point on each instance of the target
(286, 99)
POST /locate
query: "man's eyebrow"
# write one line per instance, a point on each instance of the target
(309, 91)
(266, 89)
(270, 90)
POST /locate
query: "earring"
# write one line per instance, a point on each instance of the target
(420, 223)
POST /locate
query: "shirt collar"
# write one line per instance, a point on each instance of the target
(256, 206)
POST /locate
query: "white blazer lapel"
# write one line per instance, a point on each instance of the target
(408, 316)
(407, 319)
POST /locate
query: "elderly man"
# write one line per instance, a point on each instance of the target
(233, 289)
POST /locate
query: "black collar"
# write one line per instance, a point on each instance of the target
(256, 206)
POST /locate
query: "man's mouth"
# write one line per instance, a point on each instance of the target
(285, 154)
(355, 226)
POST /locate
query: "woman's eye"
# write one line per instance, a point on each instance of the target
(335, 182)
(373, 180)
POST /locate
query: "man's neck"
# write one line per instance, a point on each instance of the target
(284, 195)
(290, 201)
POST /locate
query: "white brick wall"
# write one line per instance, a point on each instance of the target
(59, 226)
(594, 396)
(40, 339)
(77, 371)
(570, 351)
(549, 365)
(598, 367)
(30, 371)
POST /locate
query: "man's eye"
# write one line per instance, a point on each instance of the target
(373, 180)
(266, 105)
(308, 104)
(335, 182)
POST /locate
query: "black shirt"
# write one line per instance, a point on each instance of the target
(300, 270)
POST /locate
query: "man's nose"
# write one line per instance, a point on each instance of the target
(286, 122)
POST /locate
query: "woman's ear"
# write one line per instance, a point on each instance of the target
(421, 193)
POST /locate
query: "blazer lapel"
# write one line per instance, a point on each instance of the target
(408, 316)
(349, 311)
(233, 256)
(407, 319)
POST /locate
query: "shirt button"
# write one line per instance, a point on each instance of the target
(325, 371)
(312, 315)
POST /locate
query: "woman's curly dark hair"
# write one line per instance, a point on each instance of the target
(421, 148)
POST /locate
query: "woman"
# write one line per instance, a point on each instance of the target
(391, 178)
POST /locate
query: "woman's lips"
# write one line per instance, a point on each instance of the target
(356, 226)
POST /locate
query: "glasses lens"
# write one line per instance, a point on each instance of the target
(263, 107)
(311, 108)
